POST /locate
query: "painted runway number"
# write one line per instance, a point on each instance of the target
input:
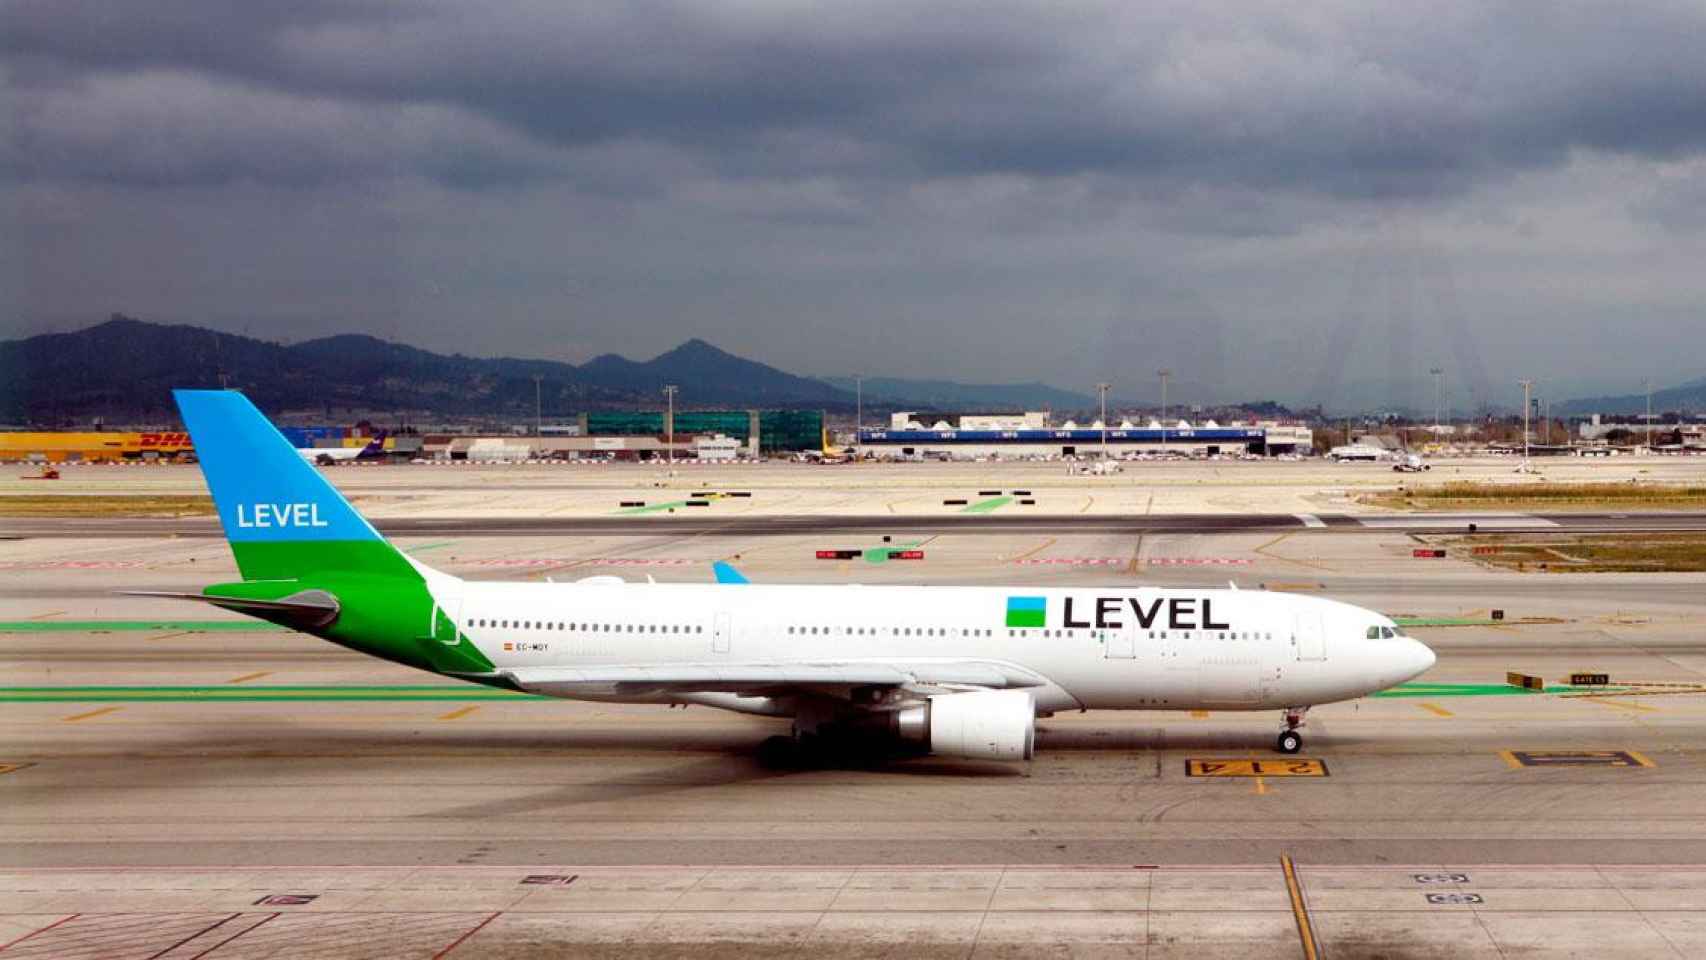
(1255, 768)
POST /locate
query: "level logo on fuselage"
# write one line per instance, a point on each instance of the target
(1115, 613)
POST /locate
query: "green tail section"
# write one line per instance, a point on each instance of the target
(291, 531)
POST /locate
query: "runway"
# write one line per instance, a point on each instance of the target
(769, 526)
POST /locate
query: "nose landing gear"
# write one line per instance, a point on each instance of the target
(1290, 741)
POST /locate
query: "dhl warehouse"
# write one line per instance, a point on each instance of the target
(719, 434)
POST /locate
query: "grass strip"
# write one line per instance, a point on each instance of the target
(105, 505)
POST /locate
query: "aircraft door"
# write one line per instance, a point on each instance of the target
(1310, 637)
(1119, 643)
(721, 627)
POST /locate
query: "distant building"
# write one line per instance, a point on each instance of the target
(1030, 435)
(717, 449)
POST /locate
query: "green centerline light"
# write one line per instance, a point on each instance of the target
(1479, 690)
(654, 508)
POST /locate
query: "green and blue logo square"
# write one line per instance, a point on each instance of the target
(1026, 611)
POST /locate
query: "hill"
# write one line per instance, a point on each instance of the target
(124, 370)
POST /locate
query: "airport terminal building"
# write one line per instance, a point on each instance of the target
(1032, 435)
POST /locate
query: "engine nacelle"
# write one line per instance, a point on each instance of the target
(982, 725)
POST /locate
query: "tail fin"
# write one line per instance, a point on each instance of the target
(282, 518)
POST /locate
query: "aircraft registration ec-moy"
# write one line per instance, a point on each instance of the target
(956, 671)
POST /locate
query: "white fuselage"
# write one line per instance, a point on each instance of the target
(1097, 647)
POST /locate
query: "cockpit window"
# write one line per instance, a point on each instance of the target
(1374, 633)
(1381, 633)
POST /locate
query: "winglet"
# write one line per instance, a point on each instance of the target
(726, 573)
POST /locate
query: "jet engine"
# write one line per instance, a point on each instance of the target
(981, 725)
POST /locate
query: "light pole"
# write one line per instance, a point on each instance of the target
(1164, 374)
(669, 423)
(1439, 398)
(1527, 385)
(1102, 388)
(858, 410)
(1649, 385)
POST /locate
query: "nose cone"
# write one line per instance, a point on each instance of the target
(1410, 661)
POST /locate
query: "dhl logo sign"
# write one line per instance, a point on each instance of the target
(158, 440)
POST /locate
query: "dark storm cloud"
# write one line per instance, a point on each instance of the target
(1352, 100)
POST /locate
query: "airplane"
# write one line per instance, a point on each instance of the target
(1357, 451)
(956, 671)
(326, 456)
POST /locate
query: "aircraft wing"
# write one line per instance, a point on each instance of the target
(768, 678)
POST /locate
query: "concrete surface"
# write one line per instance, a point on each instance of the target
(413, 808)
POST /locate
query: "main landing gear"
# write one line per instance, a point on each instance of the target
(1290, 741)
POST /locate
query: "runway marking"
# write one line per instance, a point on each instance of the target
(458, 712)
(208, 929)
(1436, 710)
(1300, 767)
(1618, 703)
(92, 713)
(458, 941)
(245, 678)
(44, 616)
(1039, 548)
(266, 919)
(1299, 910)
(61, 920)
(1261, 786)
(1309, 520)
(1575, 758)
(988, 506)
(1199, 714)
(10, 767)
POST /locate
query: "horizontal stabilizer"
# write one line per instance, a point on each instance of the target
(307, 610)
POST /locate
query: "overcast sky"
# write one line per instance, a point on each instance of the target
(1275, 200)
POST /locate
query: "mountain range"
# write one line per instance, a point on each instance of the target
(123, 370)
(1689, 397)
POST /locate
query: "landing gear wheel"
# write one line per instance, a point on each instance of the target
(1289, 741)
(778, 753)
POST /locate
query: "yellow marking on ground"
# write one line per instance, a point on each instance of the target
(1087, 502)
(245, 678)
(1298, 767)
(1039, 548)
(1510, 759)
(1640, 758)
(1199, 714)
(9, 767)
(459, 712)
(1299, 910)
(92, 713)
(1436, 709)
(1261, 786)
(1618, 703)
(168, 636)
(44, 616)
